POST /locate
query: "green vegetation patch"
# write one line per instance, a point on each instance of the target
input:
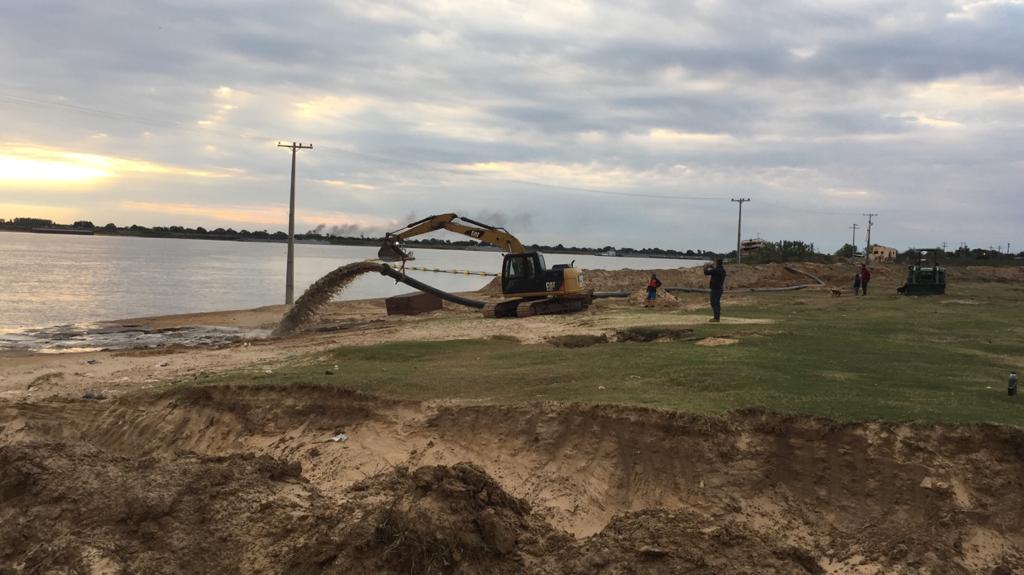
(879, 357)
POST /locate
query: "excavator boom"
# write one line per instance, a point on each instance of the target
(391, 249)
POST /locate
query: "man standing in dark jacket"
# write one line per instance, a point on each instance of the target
(865, 277)
(717, 274)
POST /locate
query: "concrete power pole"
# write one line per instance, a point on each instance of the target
(867, 250)
(853, 242)
(289, 283)
(739, 228)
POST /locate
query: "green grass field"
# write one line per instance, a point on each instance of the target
(881, 357)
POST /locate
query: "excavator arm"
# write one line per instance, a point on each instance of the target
(391, 248)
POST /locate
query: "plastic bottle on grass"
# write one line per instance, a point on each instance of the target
(1011, 386)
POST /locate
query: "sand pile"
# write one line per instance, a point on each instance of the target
(664, 299)
(744, 276)
(987, 274)
(662, 541)
(739, 277)
(445, 519)
(78, 509)
(227, 479)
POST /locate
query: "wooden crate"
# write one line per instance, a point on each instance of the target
(412, 303)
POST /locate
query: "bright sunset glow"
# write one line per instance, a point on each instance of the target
(262, 214)
(29, 169)
(32, 166)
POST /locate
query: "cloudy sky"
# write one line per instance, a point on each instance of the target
(576, 122)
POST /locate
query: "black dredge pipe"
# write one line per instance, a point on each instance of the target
(606, 294)
(414, 283)
(818, 283)
(401, 277)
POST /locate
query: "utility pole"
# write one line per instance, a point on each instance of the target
(853, 242)
(739, 227)
(289, 284)
(867, 250)
(943, 247)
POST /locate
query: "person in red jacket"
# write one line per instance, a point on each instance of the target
(652, 290)
(865, 276)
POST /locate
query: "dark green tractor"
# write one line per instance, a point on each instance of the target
(925, 281)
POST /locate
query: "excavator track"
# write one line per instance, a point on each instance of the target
(550, 306)
(505, 308)
(531, 307)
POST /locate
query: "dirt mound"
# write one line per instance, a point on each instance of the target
(664, 299)
(841, 275)
(256, 478)
(997, 274)
(662, 541)
(740, 276)
(441, 519)
(76, 509)
(746, 276)
(493, 287)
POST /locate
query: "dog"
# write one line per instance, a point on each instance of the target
(902, 290)
(836, 292)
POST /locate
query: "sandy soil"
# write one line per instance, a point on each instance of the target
(220, 479)
(29, 376)
(213, 479)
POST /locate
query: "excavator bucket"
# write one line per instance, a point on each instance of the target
(390, 251)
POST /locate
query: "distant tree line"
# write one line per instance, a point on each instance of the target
(318, 235)
(781, 251)
(785, 251)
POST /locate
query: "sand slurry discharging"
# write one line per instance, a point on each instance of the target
(251, 479)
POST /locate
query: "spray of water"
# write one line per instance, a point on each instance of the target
(321, 292)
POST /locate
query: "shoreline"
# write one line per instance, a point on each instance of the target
(631, 253)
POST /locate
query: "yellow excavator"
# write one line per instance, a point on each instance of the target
(530, 288)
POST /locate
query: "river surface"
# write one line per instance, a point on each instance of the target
(50, 280)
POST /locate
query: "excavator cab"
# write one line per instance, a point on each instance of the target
(526, 273)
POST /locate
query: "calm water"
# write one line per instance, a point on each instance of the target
(48, 280)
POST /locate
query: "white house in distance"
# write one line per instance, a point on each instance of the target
(881, 254)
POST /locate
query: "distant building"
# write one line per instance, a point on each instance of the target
(32, 222)
(882, 254)
(748, 246)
